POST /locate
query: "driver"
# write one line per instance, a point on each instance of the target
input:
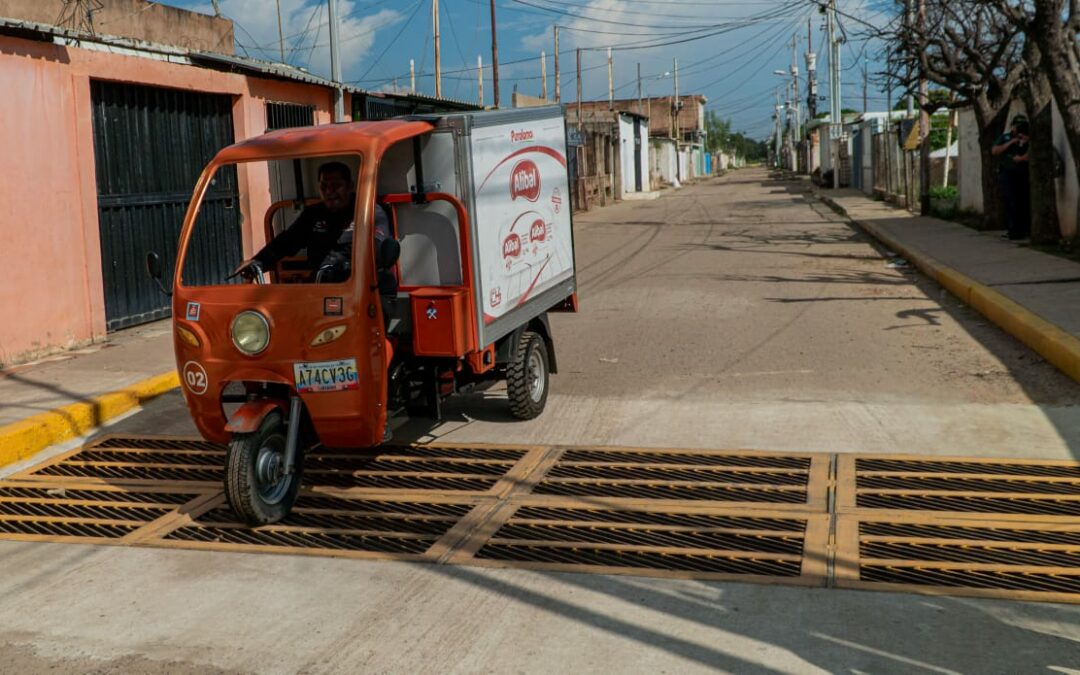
(320, 226)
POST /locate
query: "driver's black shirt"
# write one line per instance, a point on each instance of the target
(317, 229)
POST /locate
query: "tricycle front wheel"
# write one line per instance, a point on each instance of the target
(256, 485)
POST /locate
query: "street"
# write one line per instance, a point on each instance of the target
(737, 313)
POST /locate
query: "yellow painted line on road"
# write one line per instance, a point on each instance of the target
(1051, 342)
(24, 438)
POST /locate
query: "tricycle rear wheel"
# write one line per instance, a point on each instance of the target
(256, 486)
(528, 376)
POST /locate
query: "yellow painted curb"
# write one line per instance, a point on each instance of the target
(1048, 340)
(24, 438)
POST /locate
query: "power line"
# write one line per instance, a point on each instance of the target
(392, 42)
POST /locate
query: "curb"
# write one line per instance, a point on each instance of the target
(1051, 342)
(19, 440)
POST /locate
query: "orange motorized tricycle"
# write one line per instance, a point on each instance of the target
(394, 264)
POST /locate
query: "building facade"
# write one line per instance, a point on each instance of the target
(103, 140)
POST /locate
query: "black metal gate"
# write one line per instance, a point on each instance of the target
(150, 144)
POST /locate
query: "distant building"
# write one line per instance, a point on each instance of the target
(658, 109)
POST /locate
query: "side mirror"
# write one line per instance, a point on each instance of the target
(153, 265)
(154, 271)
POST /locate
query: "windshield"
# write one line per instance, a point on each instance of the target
(277, 221)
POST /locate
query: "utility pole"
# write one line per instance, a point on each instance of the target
(675, 105)
(639, 88)
(811, 73)
(558, 73)
(835, 123)
(908, 20)
(948, 139)
(610, 83)
(924, 128)
(579, 88)
(494, 57)
(811, 92)
(796, 131)
(280, 33)
(412, 76)
(335, 63)
(888, 122)
(480, 79)
(543, 75)
(865, 87)
(777, 127)
(438, 59)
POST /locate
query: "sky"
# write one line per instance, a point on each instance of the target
(727, 50)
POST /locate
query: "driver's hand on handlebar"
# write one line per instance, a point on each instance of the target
(250, 270)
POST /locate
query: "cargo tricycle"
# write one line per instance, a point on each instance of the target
(416, 258)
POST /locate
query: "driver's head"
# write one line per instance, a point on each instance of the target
(335, 185)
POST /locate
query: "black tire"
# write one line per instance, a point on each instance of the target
(251, 463)
(528, 377)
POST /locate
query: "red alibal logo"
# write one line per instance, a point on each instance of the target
(512, 246)
(525, 181)
(538, 231)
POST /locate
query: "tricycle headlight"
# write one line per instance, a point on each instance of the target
(250, 332)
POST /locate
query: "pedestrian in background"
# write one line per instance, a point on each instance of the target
(1013, 183)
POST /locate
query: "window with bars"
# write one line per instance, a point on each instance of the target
(287, 115)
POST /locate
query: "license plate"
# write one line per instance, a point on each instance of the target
(326, 376)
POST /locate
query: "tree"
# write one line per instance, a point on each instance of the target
(1052, 50)
(718, 132)
(973, 50)
(991, 51)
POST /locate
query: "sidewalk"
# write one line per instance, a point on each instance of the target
(67, 395)
(1032, 295)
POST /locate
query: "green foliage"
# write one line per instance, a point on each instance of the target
(944, 192)
(720, 137)
(718, 131)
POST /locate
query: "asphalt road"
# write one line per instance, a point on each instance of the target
(731, 314)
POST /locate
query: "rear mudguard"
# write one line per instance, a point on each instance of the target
(247, 418)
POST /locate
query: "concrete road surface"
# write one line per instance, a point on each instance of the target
(730, 314)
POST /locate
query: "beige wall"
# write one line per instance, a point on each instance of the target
(52, 291)
(1068, 187)
(137, 19)
(968, 163)
(526, 101)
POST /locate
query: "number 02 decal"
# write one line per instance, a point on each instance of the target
(195, 378)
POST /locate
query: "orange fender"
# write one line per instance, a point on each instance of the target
(247, 418)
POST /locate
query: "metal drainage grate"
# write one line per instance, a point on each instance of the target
(412, 468)
(151, 443)
(328, 524)
(986, 558)
(694, 544)
(666, 475)
(138, 466)
(973, 486)
(55, 511)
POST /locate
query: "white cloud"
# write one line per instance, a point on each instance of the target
(305, 27)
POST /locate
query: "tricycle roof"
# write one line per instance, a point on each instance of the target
(325, 139)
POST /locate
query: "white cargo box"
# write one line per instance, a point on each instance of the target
(509, 168)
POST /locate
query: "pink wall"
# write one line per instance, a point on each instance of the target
(52, 289)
